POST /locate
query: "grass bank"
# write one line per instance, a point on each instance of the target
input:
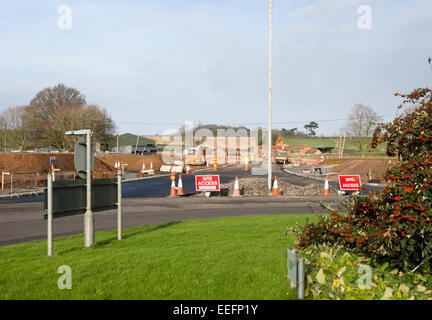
(224, 258)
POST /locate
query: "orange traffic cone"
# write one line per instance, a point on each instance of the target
(326, 187)
(173, 187)
(275, 187)
(214, 166)
(236, 192)
(151, 165)
(117, 165)
(143, 168)
(180, 187)
(246, 166)
(208, 165)
(188, 169)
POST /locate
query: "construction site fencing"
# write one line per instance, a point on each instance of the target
(20, 183)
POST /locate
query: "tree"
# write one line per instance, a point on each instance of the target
(18, 123)
(311, 126)
(3, 131)
(362, 121)
(75, 117)
(48, 100)
(59, 109)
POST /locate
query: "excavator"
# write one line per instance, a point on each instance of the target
(281, 152)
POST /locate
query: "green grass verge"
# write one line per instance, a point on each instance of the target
(331, 142)
(224, 258)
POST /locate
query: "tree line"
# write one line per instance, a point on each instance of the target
(52, 112)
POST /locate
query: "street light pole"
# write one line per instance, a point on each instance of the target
(269, 164)
(88, 215)
(89, 229)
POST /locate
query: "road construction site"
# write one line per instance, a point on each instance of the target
(292, 179)
(22, 222)
(151, 189)
(146, 201)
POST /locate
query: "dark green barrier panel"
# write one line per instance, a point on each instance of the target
(69, 197)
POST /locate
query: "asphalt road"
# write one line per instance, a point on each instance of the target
(145, 202)
(160, 186)
(21, 222)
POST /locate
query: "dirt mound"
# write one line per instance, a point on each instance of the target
(103, 165)
(259, 187)
(134, 162)
(377, 168)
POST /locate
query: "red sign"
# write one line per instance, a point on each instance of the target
(349, 182)
(207, 183)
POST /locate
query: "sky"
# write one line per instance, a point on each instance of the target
(154, 64)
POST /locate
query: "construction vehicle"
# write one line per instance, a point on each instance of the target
(281, 152)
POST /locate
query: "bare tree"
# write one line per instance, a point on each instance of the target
(18, 123)
(59, 109)
(75, 117)
(361, 124)
(3, 131)
(48, 100)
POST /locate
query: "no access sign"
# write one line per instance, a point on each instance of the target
(207, 183)
(349, 182)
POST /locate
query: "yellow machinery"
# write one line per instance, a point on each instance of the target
(281, 152)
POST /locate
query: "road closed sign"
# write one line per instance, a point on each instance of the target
(349, 182)
(207, 183)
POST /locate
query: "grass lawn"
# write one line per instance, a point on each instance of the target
(223, 258)
(331, 142)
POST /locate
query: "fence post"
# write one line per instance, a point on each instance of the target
(50, 217)
(119, 205)
(300, 278)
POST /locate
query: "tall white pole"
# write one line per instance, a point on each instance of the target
(50, 215)
(88, 215)
(119, 205)
(269, 178)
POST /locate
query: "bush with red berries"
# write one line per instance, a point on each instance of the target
(395, 224)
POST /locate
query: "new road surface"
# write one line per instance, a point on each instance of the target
(159, 186)
(145, 202)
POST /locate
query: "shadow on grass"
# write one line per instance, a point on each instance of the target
(104, 243)
(127, 235)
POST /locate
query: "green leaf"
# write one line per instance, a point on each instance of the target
(384, 267)
(404, 288)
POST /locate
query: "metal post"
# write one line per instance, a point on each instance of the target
(119, 205)
(50, 216)
(269, 169)
(300, 278)
(88, 215)
(4, 174)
